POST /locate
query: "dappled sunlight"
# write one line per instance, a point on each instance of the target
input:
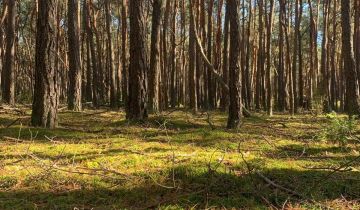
(108, 162)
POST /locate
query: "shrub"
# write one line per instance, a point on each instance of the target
(339, 130)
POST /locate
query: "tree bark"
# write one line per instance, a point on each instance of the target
(110, 57)
(269, 74)
(235, 108)
(75, 73)
(281, 69)
(137, 101)
(45, 103)
(125, 71)
(352, 95)
(192, 61)
(154, 71)
(225, 65)
(9, 59)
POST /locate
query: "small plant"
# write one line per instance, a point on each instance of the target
(340, 130)
(7, 182)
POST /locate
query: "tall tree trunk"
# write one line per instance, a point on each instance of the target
(333, 69)
(154, 71)
(313, 54)
(225, 65)
(325, 90)
(46, 98)
(296, 49)
(110, 57)
(260, 57)
(94, 62)
(248, 72)
(192, 61)
(210, 83)
(281, 69)
(173, 57)
(164, 101)
(357, 37)
(235, 108)
(269, 74)
(300, 100)
(288, 59)
(75, 74)
(137, 104)
(352, 96)
(9, 59)
(217, 49)
(125, 72)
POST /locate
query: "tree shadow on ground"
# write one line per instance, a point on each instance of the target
(200, 188)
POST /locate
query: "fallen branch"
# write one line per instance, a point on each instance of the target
(15, 140)
(328, 168)
(11, 124)
(272, 183)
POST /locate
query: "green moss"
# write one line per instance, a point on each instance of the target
(96, 159)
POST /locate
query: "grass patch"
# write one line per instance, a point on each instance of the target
(98, 160)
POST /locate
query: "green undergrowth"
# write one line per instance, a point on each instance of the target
(98, 160)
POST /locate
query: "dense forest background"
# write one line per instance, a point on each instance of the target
(290, 55)
(179, 104)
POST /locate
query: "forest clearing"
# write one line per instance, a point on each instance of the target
(98, 160)
(180, 104)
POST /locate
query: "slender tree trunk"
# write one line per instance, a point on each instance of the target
(110, 57)
(217, 49)
(210, 83)
(164, 101)
(300, 100)
(125, 72)
(324, 59)
(173, 57)
(192, 61)
(235, 108)
(46, 98)
(357, 37)
(9, 59)
(313, 54)
(269, 74)
(352, 95)
(75, 73)
(248, 72)
(154, 71)
(225, 65)
(260, 58)
(94, 62)
(281, 69)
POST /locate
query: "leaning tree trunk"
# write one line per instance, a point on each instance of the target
(235, 108)
(352, 96)
(46, 98)
(9, 60)
(75, 73)
(137, 107)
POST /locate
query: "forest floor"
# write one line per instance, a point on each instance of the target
(98, 160)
